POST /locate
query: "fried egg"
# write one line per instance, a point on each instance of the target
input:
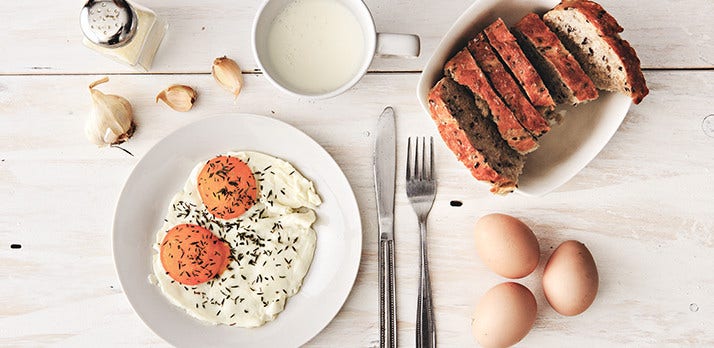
(237, 241)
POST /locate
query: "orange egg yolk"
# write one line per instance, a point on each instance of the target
(193, 255)
(227, 187)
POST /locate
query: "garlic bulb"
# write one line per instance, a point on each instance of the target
(227, 73)
(178, 97)
(111, 120)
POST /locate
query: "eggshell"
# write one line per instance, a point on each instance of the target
(506, 245)
(504, 315)
(570, 279)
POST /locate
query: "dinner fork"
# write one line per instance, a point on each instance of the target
(421, 190)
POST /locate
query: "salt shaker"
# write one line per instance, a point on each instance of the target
(125, 31)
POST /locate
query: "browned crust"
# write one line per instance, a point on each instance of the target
(609, 29)
(605, 23)
(462, 68)
(635, 78)
(550, 47)
(507, 87)
(507, 48)
(457, 141)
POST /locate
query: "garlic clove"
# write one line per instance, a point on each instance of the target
(110, 137)
(111, 119)
(228, 74)
(124, 137)
(178, 97)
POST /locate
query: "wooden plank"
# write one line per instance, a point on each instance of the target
(48, 41)
(643, 207)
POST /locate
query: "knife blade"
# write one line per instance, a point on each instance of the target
(384, 163)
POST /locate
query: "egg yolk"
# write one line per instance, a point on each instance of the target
(193, 255)
(227, 187)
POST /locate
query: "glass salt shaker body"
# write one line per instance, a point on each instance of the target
(124, 31)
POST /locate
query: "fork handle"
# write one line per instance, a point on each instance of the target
(425, 327)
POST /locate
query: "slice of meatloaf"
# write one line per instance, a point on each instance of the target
(507, 87)
(563, 75)
(592, 36)
(462, 68)
(507, 48)
(472, 137)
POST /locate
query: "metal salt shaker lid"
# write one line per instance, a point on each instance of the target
(108, 23)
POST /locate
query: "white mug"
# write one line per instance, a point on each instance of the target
(380, 44)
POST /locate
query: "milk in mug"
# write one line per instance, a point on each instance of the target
(315, 46)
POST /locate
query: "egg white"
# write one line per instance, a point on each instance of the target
(273, 244)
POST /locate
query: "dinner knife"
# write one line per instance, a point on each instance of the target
(384, 175)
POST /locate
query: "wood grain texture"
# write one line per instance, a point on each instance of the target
(44, 37)
(643, 207)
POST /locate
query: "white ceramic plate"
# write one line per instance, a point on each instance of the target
(567, 148)
(162, 172)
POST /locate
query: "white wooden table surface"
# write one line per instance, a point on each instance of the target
(644, 206)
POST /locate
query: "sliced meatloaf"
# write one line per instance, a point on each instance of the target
(463, 69)
(472, 137)
(592, 36)
(507, 87)
(507, 48)
(563, 75)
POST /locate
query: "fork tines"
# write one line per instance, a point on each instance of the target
(420, 170)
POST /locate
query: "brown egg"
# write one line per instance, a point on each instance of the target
(570, 279)
(504, 315)
(506, 245)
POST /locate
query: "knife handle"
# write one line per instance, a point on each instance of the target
(387, 295)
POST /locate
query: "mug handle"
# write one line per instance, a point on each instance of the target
(398, 45)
